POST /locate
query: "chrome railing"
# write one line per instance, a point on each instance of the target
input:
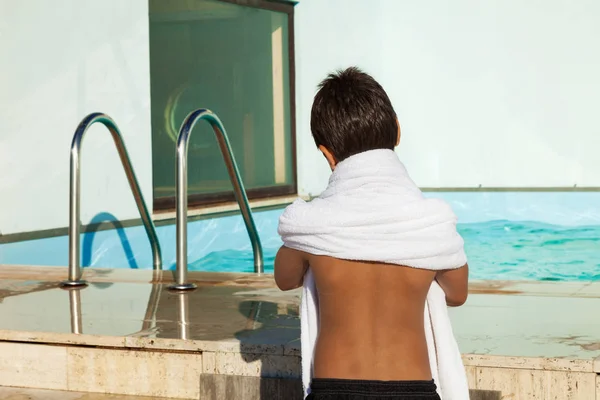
(181, 279)
(75, 272)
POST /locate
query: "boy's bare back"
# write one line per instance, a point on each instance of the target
(371, 314)
(371, 320)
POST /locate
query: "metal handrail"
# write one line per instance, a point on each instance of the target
(75, 272)
(183, 139)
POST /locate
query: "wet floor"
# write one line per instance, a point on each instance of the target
(531, 319)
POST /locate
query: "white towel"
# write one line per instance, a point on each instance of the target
(372, 211)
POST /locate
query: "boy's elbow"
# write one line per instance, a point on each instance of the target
(457, 299)
(286, 285)
(289, 269)
(285, 282)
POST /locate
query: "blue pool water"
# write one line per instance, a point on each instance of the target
(496, 250)
(532, 250)
(512, 236)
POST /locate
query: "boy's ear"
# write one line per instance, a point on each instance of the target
(328, 156)
(399, 134)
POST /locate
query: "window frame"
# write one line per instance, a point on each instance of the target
(165, 204)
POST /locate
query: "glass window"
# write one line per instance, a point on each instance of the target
(235, 61)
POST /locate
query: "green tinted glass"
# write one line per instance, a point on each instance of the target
(234, 61)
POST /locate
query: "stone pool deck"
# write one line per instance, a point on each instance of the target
(236, 336)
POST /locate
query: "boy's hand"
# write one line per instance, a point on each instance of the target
(290, 267)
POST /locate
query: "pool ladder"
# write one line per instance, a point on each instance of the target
(181, 197)
(75, 272)
(181, 273)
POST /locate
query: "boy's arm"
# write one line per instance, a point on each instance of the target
(290, 267)
(455, 283)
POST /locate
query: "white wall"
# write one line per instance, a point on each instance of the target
(329, 35)
(61, 60)
(493, 93)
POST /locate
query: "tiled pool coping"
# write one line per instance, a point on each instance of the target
(241, 325)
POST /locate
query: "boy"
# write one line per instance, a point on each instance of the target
(372, 246)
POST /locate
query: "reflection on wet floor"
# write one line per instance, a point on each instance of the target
(150, 310)
(208, 313)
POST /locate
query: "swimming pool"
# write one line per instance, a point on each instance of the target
(496, 249)
(508, 235)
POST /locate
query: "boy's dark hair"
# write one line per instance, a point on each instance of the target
(351, 114)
